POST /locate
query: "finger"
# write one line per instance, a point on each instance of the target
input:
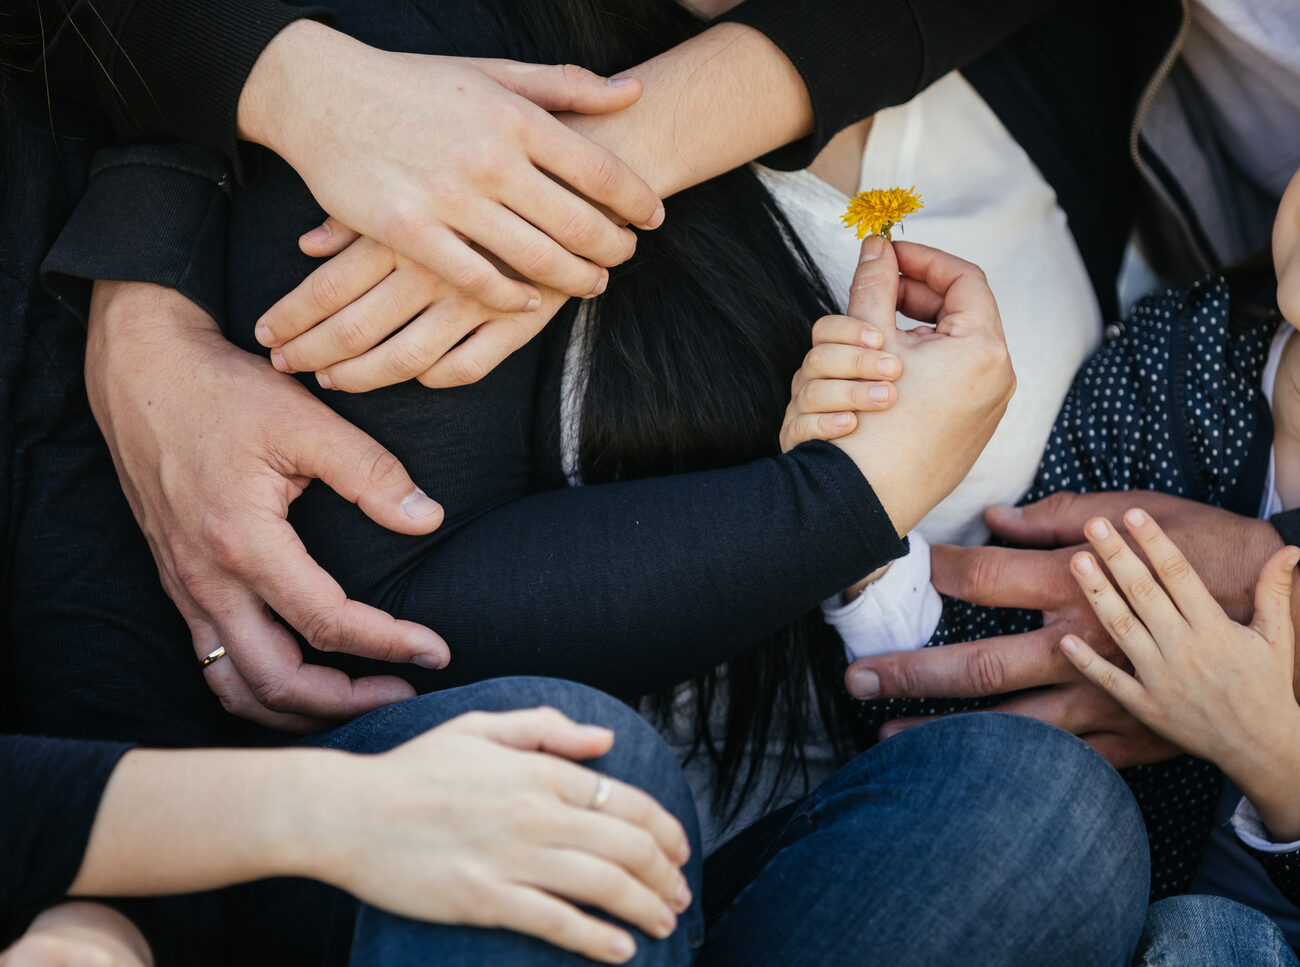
(873, 294)
(483, 351)
(1177, 575)
(545, 254)
(918, 301)
(1113, 612)
(838, 361)
(816, 426)
(576, 785)
(329, 288)
(563, 87)
(328, 238)
(445, 253)
(539, 914)
(1118, 684)
(1273, 598)
(350, 462)
(1057, 519)
(595, 173)
(540, 729)
(848, 331)
(411, 352)
(595, 882)
(844, 395)
(968, 301)
(575, 225)
(1144, 594)
(1122, 750)
(360, 326)
(1075, 708)
(896, 726)
(631, 847)
(976, 668)
(1003, 577)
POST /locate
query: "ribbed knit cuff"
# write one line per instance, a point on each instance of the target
(151, 213)
(855, 57)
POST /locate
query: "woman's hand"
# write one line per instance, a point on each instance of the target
(369, 317)
(484, 821)
(844, 373)
(1218, 689)
(79, 935)
(956, 378)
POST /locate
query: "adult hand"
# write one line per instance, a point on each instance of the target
(955, 383)
(212, 446)
(79, 935)
(483, 821)
(429, 154)
(1225, 547)
(338, 322)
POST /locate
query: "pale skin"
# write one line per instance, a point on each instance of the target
(432, 830)
(224, 587)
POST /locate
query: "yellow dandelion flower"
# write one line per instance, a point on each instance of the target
(877, 211)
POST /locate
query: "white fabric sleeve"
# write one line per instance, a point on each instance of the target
(1250, 829)
(898, 612)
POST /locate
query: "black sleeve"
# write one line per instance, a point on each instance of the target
(1283, 869)
(49, 794)
(155, 68)
(151, 213)
(861, 56)
(1287, 524)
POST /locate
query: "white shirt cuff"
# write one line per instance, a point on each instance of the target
(898, 612)
(1250, 829)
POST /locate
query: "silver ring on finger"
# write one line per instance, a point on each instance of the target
(604, 786)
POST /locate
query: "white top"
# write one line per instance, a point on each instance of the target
(1245, 57)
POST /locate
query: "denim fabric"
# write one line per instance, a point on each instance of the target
(1210, 931)
(977, 839)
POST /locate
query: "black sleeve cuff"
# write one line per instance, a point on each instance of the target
(151, 213)
(1283, 869)
(1287, 524)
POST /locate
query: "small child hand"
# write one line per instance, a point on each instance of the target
(79, 934)
(1218, 689)
(845, 373)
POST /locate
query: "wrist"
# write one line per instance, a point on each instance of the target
(325, 791)
(1267, 771)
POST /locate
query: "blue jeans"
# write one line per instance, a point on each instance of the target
(1211, 931)
(976, 839)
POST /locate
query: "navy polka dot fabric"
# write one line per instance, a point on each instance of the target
(1171, 403)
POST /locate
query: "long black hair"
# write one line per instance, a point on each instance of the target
(690, 355)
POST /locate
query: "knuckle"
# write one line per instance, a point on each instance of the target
(466, 368)
(383, 468)
(1122, 625)
(601, 170)
(352, 335)
(1143, 589)
(405, 360)
(227, 543)
(470, 276)
(321, 628)
(980, 576)
(987, 671)
(325, 290)
(581, 230)
(272, 693)
(1176, 568)
(643, 850)
(537, 258)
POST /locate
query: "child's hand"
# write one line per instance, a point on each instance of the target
(1220, 690)
(79, 935)
(844, 373)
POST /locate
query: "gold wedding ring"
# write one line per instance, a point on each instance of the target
(603, 788)
(212, 656)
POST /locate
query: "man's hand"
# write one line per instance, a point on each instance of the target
(429, 154)
(212, 445)
(1227, 549)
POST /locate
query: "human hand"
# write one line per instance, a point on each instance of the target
(484, 821)
(955, 383)
(337, 323)
(79, 935)
(212, 446)
(430, 155)
(1215, 688)
(1286, 252)
(1227, 548)
(843, 374)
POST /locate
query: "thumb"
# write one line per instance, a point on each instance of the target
(1056, 520)
(1273, 597)
(328, 238)
(544, 730)
(873, 295)
(358, 469)
(564, 87)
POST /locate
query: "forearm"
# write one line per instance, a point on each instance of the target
(182, 821)
(712, 103)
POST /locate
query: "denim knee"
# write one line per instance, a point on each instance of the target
(1208, 931)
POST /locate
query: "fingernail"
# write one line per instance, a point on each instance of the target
(324, 380)
(864, 683)
(318, 234)
(277, 360)
(841, 420)
(683, 896)
(619, 81)
(871, 338)
(1083, 564)
(657, 218)
(595, 731)
(622, 947)
(667, 921)
(872, 247)
(434, 660)
(1292, 561)
(1068, 645)
(263, 335)
(602, 285)
(1098, 529)
(887, 367)
(1135, 518)
(534, 303)
(683, 854)
(419, 505)
(880, 393)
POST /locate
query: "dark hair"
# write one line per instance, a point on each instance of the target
(691, 352)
